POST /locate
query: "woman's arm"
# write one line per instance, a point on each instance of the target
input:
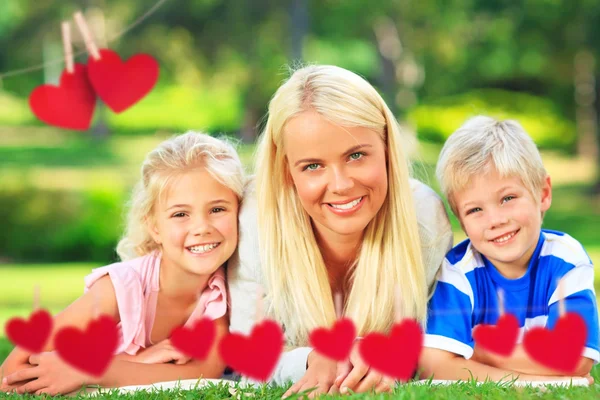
(99, 299)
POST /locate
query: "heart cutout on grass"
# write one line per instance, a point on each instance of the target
(122, 84)
(335, 343)
(69, 105)
(395, 355)
(560, 348)
(196, 341)
(254, 356)
(500, 338)
(32, 334)
(90, 350)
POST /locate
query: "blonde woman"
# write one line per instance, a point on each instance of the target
(334, 210)
(181, 230)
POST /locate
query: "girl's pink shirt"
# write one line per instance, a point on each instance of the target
(136, 284)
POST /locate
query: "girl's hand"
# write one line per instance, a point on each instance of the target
(160, 353)
(48, 374)
(320, 374)
(357, 376)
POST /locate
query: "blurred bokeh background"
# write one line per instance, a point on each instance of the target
(435, 62)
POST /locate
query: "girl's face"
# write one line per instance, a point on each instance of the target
(339, 173)
(195, 223)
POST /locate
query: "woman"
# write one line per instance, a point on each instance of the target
(334, 210)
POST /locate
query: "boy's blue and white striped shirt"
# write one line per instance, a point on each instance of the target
(466, 294)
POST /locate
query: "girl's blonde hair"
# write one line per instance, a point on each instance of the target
(295, 274)
(483, 143)
(174, 156)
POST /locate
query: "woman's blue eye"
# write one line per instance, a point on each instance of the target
(508, 198)
(357, 156)
(311, 167)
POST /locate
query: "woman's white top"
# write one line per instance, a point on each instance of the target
(244, 273)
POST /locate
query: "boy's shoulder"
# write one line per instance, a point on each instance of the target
(563, 248)
(463, 257)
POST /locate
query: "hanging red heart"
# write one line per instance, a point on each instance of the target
(69, 105)
(335, 343)
(254, 356)
(395, 355)
(197, 341)
(33, 334)
(90, 350)
(122, 84)
(501, 338)
(560, 348)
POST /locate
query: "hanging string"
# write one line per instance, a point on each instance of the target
(138, 21)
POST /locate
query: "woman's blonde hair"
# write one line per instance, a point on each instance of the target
(483, 143)
(174, 156)
(295, 274)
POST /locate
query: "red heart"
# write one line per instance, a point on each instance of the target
(32, 335)
(91, 350)
(335, 343)
(254, 356)
(501, 338)
(560, 348)
(69, 105)
(120, 85)
(395, 355)
(197, 341)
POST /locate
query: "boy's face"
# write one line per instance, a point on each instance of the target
(503, 219)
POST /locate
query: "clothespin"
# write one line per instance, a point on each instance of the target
(90, 45)
(68, 47)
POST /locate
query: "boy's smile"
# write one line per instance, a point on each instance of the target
(502, 219)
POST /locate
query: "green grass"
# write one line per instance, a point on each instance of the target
(487, 390)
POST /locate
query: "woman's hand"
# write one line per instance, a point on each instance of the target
(320, 374)
(48, 374)
(160, 353)
(357, 376)
(4, 386)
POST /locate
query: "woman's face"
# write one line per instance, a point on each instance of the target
(339, 173)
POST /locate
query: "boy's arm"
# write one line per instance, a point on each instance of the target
(100, 298)
(520, 361)
(579, 297)
(441, 364)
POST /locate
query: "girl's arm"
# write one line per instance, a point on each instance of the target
(125, 373)
(52, 376)
(520, 361)
(99, 299)
(441, 364)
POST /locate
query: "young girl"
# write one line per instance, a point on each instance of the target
(182, 229)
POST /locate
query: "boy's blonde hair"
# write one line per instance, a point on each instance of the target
(174, 156)
(295, 274)
(483, 143)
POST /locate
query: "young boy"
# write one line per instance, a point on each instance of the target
(493, 177)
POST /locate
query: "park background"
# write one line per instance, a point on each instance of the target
(62, 193)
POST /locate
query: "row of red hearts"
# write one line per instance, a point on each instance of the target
(255, 356)
(118, 84)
